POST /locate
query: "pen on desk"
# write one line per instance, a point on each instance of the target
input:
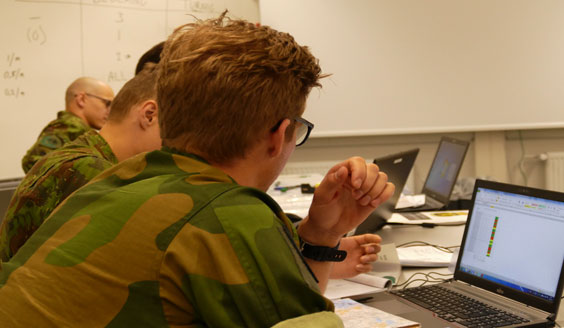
(286, 188)
(305, 187)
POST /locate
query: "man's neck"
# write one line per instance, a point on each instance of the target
(243, 173)
(121, 143)
(74, 111)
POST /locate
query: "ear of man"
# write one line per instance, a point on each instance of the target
(147, 114)
(277, 138)
(80, 99)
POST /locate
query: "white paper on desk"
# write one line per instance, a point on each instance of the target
(386, 268)
(424, 256)
(339, 288)
(372, 280)
(388, 265)
(357, 315)
(406, 201)
(437, 217)
(293, 200)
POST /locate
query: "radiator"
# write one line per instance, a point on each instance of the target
(554, 174)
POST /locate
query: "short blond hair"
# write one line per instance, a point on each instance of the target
(223, 83)
(140, 88)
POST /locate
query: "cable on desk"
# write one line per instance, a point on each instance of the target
(428, 278)
(446, 249)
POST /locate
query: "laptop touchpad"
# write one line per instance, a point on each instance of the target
(393, 306)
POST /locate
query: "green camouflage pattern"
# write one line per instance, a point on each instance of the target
(162, 239)
(65, 128)
(48, 183)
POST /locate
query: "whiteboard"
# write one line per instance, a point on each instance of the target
(45, 45)
(419, 66)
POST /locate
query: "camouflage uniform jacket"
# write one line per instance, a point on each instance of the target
(162, 239)
(65, 128)
(48, 183)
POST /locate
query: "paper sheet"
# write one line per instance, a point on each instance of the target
(385, 272)
(357, 315)
(339, 288)
(372, 280)
(436, 217)
(405, 201)
(423, 256)
(388, 265)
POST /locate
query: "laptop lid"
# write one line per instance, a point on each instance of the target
(397, 167)
(445, 169)
(512, 244)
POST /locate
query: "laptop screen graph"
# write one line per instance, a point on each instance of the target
(516, 241)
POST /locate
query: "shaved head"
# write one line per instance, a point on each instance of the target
(90, 100)
(86, 85)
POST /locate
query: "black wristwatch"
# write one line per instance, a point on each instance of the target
(322, 253)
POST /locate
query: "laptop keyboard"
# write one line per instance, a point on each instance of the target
(455, 307)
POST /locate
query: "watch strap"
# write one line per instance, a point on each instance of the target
(322, 253)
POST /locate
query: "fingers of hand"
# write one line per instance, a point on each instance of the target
(367, 238)
(371, 248)
(334, 180)
(369, 258)
(386, 193)
(358, 168)
(363, 268)
(371, 175)
(374, 186)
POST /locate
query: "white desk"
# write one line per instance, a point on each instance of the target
(440, 235)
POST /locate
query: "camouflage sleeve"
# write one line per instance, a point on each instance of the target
(51, 138)
(42, 146)
(243, 269)
(31, 205)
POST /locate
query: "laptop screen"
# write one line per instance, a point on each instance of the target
(445, 168)
(515, 240)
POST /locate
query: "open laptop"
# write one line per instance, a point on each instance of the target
(397, 167)
(511, 259)
(441, 177)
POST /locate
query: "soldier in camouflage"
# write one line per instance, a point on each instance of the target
(187, 236)
(87, 104)
(132, 128)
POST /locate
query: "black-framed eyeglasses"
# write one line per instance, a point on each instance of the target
(303, 129)
(107, 102)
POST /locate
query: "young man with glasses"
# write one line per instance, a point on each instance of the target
(187, 236)
(87, 105)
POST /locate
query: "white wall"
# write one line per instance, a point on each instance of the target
(433, 66)
(48, 44)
